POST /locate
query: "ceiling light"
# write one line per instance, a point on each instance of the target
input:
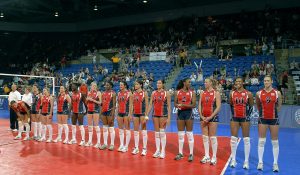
(56, 14)
(95, 7)
(1, 15)
(145, 1)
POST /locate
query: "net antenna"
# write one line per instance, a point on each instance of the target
(30, 76)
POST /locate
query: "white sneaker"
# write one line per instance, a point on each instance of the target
(66, 141)
(260, 166)
(26, 138)
(125, 149)
(246, 165)
(88, 144)
(213, 161)
(162, 155)
(156, 154)
(120, 148)
(82, 143)
(49, 141)
(275, 168)
(72, 142)
(57, 140)
(144, 152)
(103, 147)
(135, 151)
(233, 163)
(111, 147)
(17, 137)
(42, 139)
(97, 145)
(205, 159)
(15, 130)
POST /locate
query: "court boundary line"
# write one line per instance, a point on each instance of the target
(227, 163)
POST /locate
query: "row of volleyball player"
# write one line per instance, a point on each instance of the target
(137, 105)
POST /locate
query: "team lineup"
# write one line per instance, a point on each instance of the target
(138, 107)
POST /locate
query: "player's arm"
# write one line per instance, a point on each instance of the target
(41, 105)
(51, 106)
(175, 99)
(230, 98)
(146, 103)
(279, 101)
(114, 104)
(150, 105)
(251, 100)
(130, 104)
(169, 107)
(218, 106)
(99, 98)
(200, 107)
(193, 104)
(68, 98)
(257, 100)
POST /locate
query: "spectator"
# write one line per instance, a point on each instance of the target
(221, 54)
(264, 48)
(216, 73)
(14, 95)
(270, 68)
(229, 54)
(200, 76)
(193, 77)
(255, 66)
(115, 61)
(182, 57)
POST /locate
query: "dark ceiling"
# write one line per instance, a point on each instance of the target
(42, 11)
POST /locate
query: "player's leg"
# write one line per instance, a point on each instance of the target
(234, 127)
(262, 129)
(245, 130)
(274, 129)
(90, 128)
(212, 132)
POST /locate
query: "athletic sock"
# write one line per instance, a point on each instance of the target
(128, 137)
(157, 141)
(90, 128)
(112, 134)
(145, 139)
(163, 138)
(206, 145)
(105, 134)
(261, 148)
(180, 141)
(275, 145)
(121, 134)
(233, 144)
(190, 137)
(136, 139)
(247, 148)
(214, 145)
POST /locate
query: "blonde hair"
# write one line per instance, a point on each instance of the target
(94, 84)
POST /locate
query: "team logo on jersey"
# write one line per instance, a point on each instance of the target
(207, 99)
(268, 99)
(183, 99)
(297, 116)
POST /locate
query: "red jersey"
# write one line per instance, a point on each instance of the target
(36, 103)
(269, 102)
(240, 104)
(21, 107)
(107, 100)
(46, 106)
(77, 103)
(184, 97)
(208, 103)
(123, 102)
(139, 105)
(92, 107)
(159, 100)
(62, 103)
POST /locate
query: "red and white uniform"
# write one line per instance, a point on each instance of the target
(123, 102)
(77, 103)
(107, 101)
(139, 105)
(184, 97)
(21, 107)
(46, 106)
(269, 103)
(159, 100)
(92, 107)
(240, 104)
(208, 103)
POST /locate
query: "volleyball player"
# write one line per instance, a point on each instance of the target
(185, 101)
(63, 111)
(93, 104)
(108, 115)
(23, 113)
(123, 119)
(78, 111)
(46, 115)
(139, 105)
(209, 107)
(268, 101)
(35, 116)
(161, 102)
(241, 102)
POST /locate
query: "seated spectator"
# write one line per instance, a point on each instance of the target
(247, 81)
(229, 54)
(193, 77)
(223, 70)
(255, 66)
(270, 68)
(216, 73)
(264, 48)
(200, 76)
(221, 54)
(254, 81)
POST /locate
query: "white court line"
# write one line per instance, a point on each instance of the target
(227, 163)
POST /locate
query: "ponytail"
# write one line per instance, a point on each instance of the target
(180, 84)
